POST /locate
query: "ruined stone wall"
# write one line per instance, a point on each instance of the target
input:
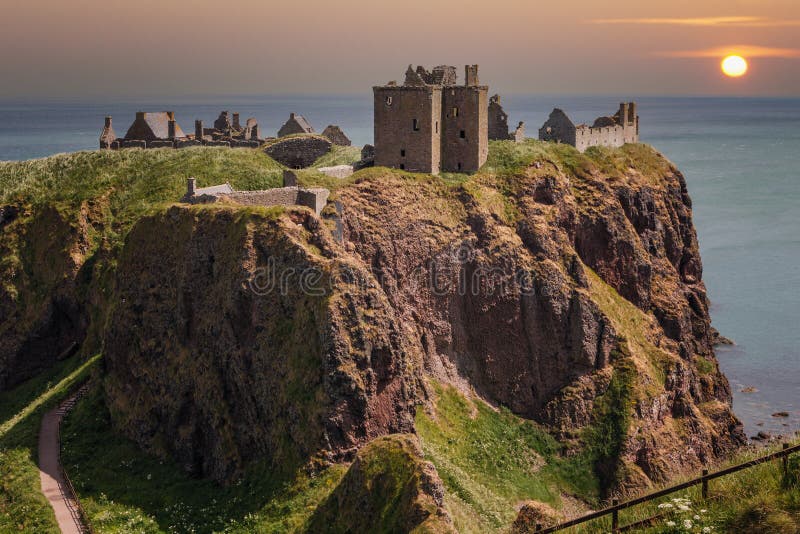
(610, 136)
(465, 137)
(314, 198)
(281, 196)
(398, 143)
(498, 120)
(298, 152)
(558, 128)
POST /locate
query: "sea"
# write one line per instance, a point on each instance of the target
(740, 156)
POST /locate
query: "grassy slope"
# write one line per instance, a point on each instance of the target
(123, 489)
(23, 508)
(491, 461)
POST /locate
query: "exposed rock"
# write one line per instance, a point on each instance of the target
(719, 339)
(231, 361)
(780, 414)
(298, 152)
(534, 514)
(337, 171)
(42, 312)
(389, 484)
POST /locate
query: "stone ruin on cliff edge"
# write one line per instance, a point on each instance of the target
(613, 131)
(161, 130)
(291, 194)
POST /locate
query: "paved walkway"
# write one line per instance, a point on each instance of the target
(54, 486)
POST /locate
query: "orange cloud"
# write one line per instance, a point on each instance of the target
(748, 51)
(744, 21)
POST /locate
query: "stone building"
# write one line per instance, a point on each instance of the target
(613, 131)
(155, 126)
(336, 135)
(297, 124)
(298, 152)
(430, 124)
(161, 130)
(107, 136)
(313, 198)
(498, 123)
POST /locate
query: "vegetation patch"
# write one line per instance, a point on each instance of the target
(23, 508)
(382, 493)
(491, 460)
(125, 490)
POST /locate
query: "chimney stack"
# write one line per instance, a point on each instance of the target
(236, 121)
(190, 186)
(140, 115)
(254, 132)
(471, 75)
(171, 129)
(198, 130)
(108, 122)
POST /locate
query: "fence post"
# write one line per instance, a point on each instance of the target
(785, 461)
(705, 484)
(614, 515)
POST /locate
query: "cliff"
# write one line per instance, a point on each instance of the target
(550, 306)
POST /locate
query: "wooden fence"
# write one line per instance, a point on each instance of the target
(78, 513)
(702, 481)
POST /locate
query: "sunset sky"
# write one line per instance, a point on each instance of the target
(200, 47)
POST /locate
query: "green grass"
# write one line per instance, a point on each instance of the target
(339, 155)
(491, 460)
(380, 493)
(123, 489)
(23, 508)
(758, 500)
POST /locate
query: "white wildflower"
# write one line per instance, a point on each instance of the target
(706, 529)
(687, 524)
(703, 511)
(697, 517)
(665, 505)
(670, 523)
(683, 508)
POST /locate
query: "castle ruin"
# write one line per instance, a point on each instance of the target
(290, 195)
(429, 124)
(498, 123)
(614, 131)
(160, 130)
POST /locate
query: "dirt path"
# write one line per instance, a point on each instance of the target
(54, 486)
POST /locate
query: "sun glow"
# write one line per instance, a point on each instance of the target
(734, 66)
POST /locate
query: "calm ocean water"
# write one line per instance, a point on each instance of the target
(741, 158)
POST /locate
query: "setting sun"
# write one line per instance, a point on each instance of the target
(734, 66)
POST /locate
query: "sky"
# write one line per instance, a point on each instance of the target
(111, 48)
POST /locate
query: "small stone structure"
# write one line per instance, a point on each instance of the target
(107, 137)
(430, 124)
(314, 198)
(337, 171)
(161, 130)
(367, 158)
(614, 131)
(336, 135)
(498, 123)
(298, 152)
(297, 124)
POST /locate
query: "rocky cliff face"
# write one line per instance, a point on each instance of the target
(566, 288)
(44, 282)
(245, 335)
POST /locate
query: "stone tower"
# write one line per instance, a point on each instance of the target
(430, 124)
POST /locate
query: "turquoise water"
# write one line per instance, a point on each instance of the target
(740, 158)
